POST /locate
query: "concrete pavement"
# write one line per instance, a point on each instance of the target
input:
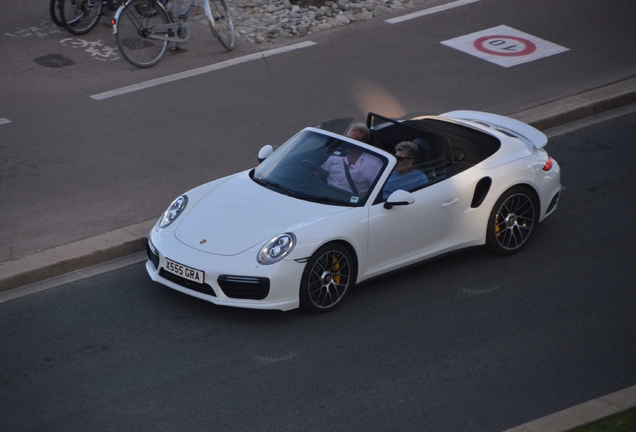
(121, 242)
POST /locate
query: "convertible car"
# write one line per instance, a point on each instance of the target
(286, 234)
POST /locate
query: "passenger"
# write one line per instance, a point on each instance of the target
(404, 176)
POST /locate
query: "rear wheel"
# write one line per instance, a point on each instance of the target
(221, 23)
(80, 16)
(512, 221)
(327, 277)
(137, 32)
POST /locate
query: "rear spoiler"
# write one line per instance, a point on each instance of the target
(506, 125)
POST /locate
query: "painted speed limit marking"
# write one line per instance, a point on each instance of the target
(504, 46)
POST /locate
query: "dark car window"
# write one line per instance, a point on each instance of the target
(446, 148)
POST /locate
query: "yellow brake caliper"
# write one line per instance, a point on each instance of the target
(497, 229)
(334, 269)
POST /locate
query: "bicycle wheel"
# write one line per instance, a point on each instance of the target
(220, 22)
(80, 16)
(55, 13)
(55, 10)
(141, 42)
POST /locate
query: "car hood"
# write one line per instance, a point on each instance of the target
(240, 214)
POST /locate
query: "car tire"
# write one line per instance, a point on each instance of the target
(512, 221)
(328, 276)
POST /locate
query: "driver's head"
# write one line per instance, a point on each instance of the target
(359, 132)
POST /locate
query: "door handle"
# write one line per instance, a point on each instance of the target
(450, 202)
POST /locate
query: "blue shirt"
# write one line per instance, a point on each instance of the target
(407, 182)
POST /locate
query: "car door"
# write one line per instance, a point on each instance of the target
(405, 233)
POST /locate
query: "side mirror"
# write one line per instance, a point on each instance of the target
(265, 152)
(399, 198)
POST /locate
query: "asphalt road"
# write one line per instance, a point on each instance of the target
(72, 167)
(470, 342)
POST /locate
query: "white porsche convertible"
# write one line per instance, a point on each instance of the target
(324, 212)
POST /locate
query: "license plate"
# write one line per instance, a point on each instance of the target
(185, 272)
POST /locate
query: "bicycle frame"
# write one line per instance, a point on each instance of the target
(144, 28)
(176, 31)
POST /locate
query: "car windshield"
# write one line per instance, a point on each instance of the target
(320, 167)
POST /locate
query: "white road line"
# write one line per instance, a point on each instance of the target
(432, 10)
(4, 121)
(200, 71)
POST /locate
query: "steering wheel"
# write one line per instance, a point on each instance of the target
(315, 168)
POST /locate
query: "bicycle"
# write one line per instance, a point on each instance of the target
(80, 16)
(143, 28)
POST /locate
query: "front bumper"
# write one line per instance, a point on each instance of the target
(237, 281)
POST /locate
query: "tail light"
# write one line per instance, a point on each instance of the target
(548, 164)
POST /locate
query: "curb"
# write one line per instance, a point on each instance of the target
(579, 106)
(101, 248)
(582, 414)
(67, 258)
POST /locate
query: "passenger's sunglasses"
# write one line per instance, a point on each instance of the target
(402, 158)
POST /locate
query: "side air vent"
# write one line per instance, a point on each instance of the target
(244, 287)
(481, 191)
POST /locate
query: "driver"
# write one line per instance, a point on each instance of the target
(354, 172)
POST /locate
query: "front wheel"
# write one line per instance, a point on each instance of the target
(139, 36)
(512, 221)
(221, 22)
(327, 277)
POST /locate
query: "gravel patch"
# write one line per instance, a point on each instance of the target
(267, 21)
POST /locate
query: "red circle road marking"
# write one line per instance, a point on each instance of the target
(529, 46)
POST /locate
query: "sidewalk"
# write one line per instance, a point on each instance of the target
(128, 240)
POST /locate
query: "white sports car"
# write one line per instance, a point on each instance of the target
(324, 211)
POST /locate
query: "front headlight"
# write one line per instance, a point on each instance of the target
(277, 248)
(173, 211)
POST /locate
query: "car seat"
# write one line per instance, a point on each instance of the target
(431, 159)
